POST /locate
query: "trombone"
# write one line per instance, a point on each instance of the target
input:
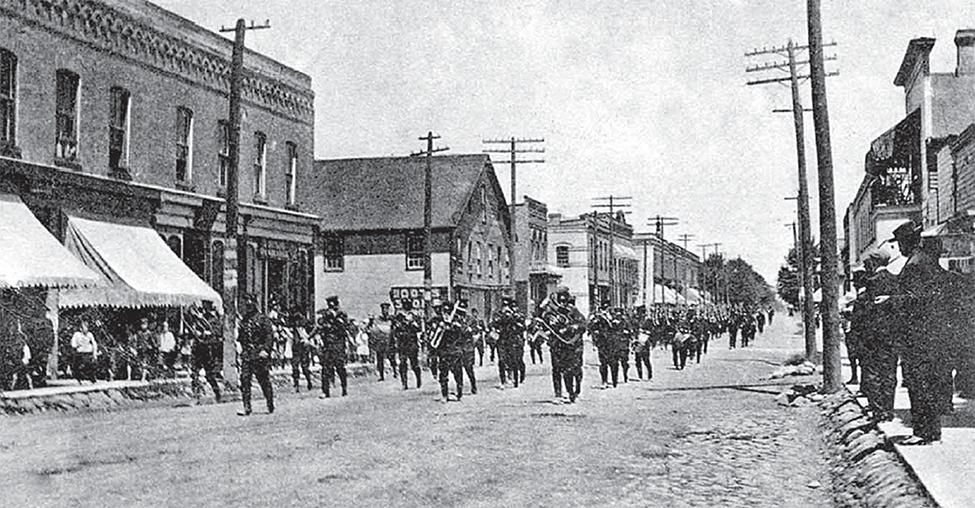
(438, 334)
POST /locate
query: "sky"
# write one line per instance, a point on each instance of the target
(645, 100)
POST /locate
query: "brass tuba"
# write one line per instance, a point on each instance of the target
(438, 333)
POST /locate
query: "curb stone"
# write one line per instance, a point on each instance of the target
(867, 470)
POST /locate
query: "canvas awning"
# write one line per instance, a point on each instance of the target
(30, 256)
(664, 294)
(895, 147)
(694, 296)
(622, 251)
(140, 269)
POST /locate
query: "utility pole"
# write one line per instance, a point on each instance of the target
(832, 375)
(658, 223)
(233, 289)
(611, 202)
(428, 220)
(514, 161)
(789, 52)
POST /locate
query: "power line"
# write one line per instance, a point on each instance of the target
(611, 202)
(428, 219)
(513, 152)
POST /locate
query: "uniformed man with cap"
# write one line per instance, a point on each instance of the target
(406, 336)
(510, 326)
(566, 326)
(256, 341)
(334, 329)
(600, 328)
(451, 349)
(380, 329)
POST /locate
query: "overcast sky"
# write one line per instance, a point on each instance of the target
(642, 99)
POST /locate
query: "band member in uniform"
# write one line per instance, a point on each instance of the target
(566, 326)
(449, 341)
(600, 327)
(406, 336)
(334, 328)
(471, 338)
(432, 325)
(621, 334)
(380, 329)
(256, 342)
(478, 330)
(510, 326)
(206, 348)
(641, 348)
(302, 349)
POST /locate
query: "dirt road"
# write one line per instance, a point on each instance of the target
(710, 435)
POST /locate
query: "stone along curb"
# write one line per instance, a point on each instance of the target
(867, 471)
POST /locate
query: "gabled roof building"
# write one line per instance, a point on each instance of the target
(371, 231)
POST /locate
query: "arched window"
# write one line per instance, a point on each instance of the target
(176, 245)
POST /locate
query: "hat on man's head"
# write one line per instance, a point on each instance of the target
(384, 304)
(906, 231)
(562, 290)
(333, 298)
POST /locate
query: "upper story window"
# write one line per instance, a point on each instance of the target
(184, 144)
(562, 256)
(478, 253)
(223, 150)
(334, 253)
(291, 173)
(66, 111)
(260, 165)
(118, 129)
(490, 261)
(484, 212)
(414, 251)
(8, 97)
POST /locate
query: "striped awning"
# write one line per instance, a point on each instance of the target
(30, 256)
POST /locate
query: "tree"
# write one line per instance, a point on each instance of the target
(788, 278)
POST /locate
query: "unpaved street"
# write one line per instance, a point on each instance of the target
(707, 436)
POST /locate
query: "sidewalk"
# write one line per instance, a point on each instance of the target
(946, 470)
(70, 395)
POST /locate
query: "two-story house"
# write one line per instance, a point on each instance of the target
(372, 231)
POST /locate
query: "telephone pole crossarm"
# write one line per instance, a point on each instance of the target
(512, 151)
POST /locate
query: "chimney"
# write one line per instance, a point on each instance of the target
(965, 41)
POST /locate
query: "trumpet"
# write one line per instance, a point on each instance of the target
(438, 334)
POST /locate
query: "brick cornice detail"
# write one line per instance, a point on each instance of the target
(107, 29)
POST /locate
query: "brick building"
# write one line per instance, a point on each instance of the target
(115, 111)
(372, 231)
(535, 275)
